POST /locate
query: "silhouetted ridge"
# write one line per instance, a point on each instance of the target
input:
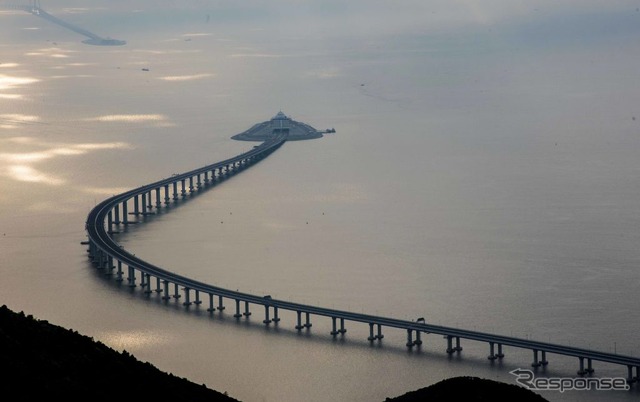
(470, 389)
(42, 361)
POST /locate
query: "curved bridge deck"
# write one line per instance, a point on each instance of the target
(108, 255)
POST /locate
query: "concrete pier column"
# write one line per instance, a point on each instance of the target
(183, 191)
(246, 313)
(116, 211)
(581, 371)
(191, 184)
(148, 282)
(307, 323)
(144, 203)
(175, 190)
(535, 363)
(266, 315)
(197, 302)
(186, 302)
(371, 338)
(142, 278)
(109, 221)
(206, 177)
(637, 378)
(379, 335)
(136, 205)
(158, 285)
(125, 214)
(409, 338)
(237, 314)
(176, 293)
(109, 265)
(199, 183)
(220, 304)
(544, 362)
(166, 194)
(334, 330)
(166, 290)
(149, 206)
(418, 341)
(211, 308)
(299, 325)
(100, 257)
(158, 202)
(630, 379)
(450, 349)
(342, 330)
(590, 369)
(275, 319)
(459, 348)
(119, 272)
(492, 355)
(132, 277)
(500, 355)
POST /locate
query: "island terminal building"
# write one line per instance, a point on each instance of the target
(281, 123)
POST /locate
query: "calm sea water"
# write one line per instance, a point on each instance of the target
(484, 174)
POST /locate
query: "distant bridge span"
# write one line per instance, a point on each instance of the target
(94, 39)
(106, 254)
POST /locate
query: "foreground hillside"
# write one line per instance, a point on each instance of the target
(44, 361)
(470, 389)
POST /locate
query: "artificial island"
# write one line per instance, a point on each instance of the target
(281, 123)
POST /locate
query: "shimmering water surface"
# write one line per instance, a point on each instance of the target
(484, 174)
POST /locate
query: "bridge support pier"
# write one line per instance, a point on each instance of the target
(299, 325)
(275, 319)
(199, 183)
(211, 309)
(166, 194)
(379, 336)
(132, 277)
(166, 290)
(409, 338)
(119, 272)
(144, 203)
(237, 314)
(158, 285)
(492, 355)
(581, 371)
(116, 211)
(158, 202)
(246, 313)
(186, 302)
(191, 184)
(125, 217)
(136, 207)
(630, 378)
(371, 337)
(175, 191)
(197, 302)
(220, 304)
(109, 265)
(535, 363)
(307, 324)
(334, 331)
(148, 283)
(266, 315)
(183, 191)
(637, 373)
(418, 341)
(109, 221)
(176, 293)
(450, 349)
(342, 329)
(500, 355)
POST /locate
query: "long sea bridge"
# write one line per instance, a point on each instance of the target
(114, 213)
